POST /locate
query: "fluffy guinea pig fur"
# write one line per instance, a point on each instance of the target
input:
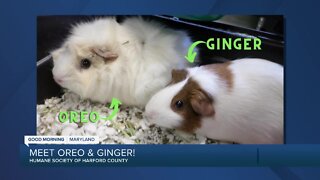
(239, 101)
(130, 61)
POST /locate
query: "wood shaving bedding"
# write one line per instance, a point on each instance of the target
(128, 127)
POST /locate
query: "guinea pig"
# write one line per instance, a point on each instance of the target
(130, 61)
(239, 101)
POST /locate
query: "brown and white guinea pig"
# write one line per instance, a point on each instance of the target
(239, 101)
(130, 61)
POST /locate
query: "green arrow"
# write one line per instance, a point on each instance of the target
(115, 106)
(191, 55)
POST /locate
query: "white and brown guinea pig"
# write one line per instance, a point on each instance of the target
(239, 101)
(130, 61)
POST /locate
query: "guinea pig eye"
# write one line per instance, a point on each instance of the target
(179, 104)
(85, 63)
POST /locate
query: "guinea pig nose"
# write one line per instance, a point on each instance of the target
(58, 80)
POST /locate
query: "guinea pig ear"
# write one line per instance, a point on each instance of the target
(107, 55)
(202, 103)
(178, 75)
(56, 53)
